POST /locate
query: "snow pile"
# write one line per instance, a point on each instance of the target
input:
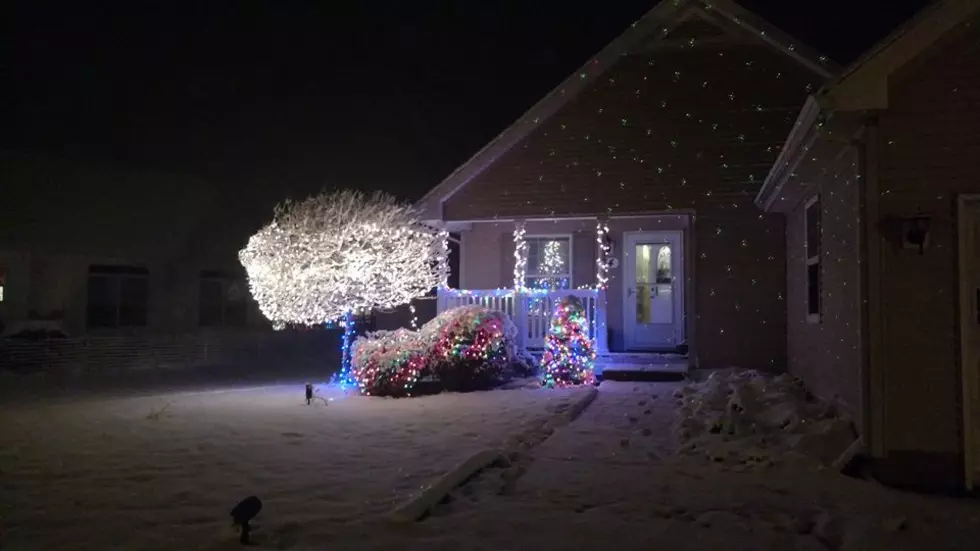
(748, 419)
(466, 348)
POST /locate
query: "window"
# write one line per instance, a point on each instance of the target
(811, 216)
(222, 301)
(549, 262)
(3, 281)
(117, 296)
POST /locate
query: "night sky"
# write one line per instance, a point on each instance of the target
(301, 95)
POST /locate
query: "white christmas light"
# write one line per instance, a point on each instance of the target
(552, 264)
(602, 260)
(340, 253)
(520, 257)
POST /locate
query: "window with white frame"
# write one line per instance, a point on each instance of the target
(811, 217)
(549, 262)
(3, 281)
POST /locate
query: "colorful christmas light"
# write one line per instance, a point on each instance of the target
(569, 357)
(464, 348)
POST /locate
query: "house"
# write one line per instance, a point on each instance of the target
(109, 250)
(631, 185)
(135, 267)
(879, 182)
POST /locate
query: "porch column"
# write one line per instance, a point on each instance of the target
(602, 253)
(520, 256)
(600, 336)
(520, 298)
(600, 333)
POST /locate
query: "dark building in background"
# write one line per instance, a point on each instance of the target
(141, 266)
(101, 249)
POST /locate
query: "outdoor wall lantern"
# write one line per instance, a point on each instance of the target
(907, 232)
(915, 233)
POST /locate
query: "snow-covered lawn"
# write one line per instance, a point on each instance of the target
(611, 480)
(139, 474)
(162, 472)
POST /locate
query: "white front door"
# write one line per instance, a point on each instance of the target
(969, 235)
(653, 289)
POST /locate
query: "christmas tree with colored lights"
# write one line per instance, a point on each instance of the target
(569, 356)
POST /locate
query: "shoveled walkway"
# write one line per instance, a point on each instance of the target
(608, 480)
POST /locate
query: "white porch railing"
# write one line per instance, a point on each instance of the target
(531, 311)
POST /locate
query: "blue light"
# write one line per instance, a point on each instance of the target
(345, 377)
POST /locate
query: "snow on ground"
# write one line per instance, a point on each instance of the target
(612, 480)
(129, 474)
(747, 419)
(162, 472)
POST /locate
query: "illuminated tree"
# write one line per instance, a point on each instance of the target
(337, 255)
(569, 356)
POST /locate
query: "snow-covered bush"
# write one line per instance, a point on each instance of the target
(747, 418)
(466, 348)
(471, 347)
(389, 363)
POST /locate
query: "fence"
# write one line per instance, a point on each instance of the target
(531, 312)
(138, 352)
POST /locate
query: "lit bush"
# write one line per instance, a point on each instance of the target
(466, 348)
(389, 363)
(471, 347)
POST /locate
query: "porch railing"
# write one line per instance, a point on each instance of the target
(531, 312)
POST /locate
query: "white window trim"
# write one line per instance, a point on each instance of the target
(571, 260)
(811, 260)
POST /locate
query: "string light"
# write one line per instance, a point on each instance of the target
(602, 256)
(520, 257)
(552, 264)
(415, 319)
(338, 255)
(345, 376)
(465, 348)
(569, 357)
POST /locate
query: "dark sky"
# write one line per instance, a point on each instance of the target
(300, 95)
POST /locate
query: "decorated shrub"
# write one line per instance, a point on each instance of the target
(470, 347)
(389, 363)
(569, 357)
(466, 348)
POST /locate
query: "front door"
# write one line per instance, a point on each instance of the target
(653, 290)
(969, 235)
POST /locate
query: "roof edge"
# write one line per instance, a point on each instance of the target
(432, 201)
(550, 103)
(850, 90)
(792, 153)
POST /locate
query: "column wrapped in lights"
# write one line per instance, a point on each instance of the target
(602, 254)
(520, 257)
(338, 255)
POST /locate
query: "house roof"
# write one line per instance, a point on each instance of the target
(654, 24)
(863, 85)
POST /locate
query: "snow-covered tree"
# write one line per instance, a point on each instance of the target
(340, 254)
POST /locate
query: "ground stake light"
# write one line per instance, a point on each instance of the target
(243, 513)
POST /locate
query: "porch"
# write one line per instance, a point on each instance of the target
(531, 309)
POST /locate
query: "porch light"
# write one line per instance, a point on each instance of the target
(915, 232)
